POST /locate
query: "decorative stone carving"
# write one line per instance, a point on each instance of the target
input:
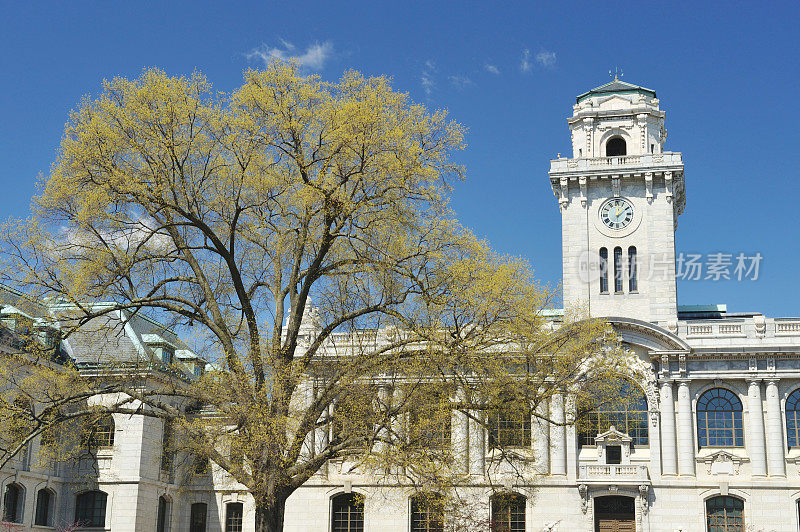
(615, 185)
(583, 489)
(613, 437)
(752, 364)
(760, 324)
(668, 185)
(682, 364)
(644, 490)
(770, 363)
(722, 462)
(582, 183)
(564, 199)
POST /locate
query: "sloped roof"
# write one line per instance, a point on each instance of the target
(616, 86)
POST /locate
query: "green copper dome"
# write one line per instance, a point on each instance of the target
(617, 87)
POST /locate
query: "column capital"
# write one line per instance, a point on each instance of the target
(772, 381)
(753, 380)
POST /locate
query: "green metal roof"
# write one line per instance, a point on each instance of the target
(617, 87)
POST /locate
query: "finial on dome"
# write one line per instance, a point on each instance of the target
(616, 72)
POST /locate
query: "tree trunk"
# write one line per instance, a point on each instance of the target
(269, 515)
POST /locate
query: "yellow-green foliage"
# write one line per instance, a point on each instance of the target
(254, 215)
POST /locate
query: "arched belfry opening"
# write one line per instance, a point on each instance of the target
(616, 146)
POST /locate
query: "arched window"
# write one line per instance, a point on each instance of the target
(793, 419)
(197, 517)
(234, 517)
(616, 146)
(427, 513)
(633, 285)
(618, 269)
(719, 419)
(509, 428)
(44, 507)
(100, 433)
(162, 518)
(90, 509)
(347, 513)
(626, 410)
(725, 514)
(603, 270)
(13, 503)
(508, 513)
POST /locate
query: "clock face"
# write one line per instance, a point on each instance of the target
(616, 213)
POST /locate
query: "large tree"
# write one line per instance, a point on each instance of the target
(226, 215)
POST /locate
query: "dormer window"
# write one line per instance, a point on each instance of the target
(616, 146)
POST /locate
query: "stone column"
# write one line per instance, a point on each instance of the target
(460, 437)
(541, 438)
(384, 404)
(756, 446)
(321, 439)
(685, 431)
(477, 446)
(775, 450)
(669, 458)
(558, 433)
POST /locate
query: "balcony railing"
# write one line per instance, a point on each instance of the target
(612, 473)
(598, 163)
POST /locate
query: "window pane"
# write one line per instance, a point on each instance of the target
(347, 513)
(233, 517)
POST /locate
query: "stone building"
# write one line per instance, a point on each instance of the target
(712, 444)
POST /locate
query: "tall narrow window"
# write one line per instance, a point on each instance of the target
(603, 271)
(163, 514)
(44, 508)
(233, 517)
(197, 517)
(347, 513)
(508, 513)
(618, 270)
(725, 514)
(633, 285)
(167, 455)
(90, 509)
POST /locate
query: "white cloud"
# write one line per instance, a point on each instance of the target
(492, 69)
(313, 58)
(525, 65)
(428, 83)
(545, 58)
(460, 82)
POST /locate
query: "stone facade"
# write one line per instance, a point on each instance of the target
(678, 356)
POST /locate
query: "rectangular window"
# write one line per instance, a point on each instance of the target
(233, 517)
(509, 428)
(613, 454)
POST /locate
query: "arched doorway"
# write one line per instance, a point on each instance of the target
(614, 513)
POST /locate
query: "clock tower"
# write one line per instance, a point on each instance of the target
(620, 195)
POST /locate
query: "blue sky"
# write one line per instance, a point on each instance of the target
(728, 78)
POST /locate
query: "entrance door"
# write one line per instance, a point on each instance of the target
(614, 514)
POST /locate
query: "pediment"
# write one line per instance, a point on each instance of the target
(612, 435)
